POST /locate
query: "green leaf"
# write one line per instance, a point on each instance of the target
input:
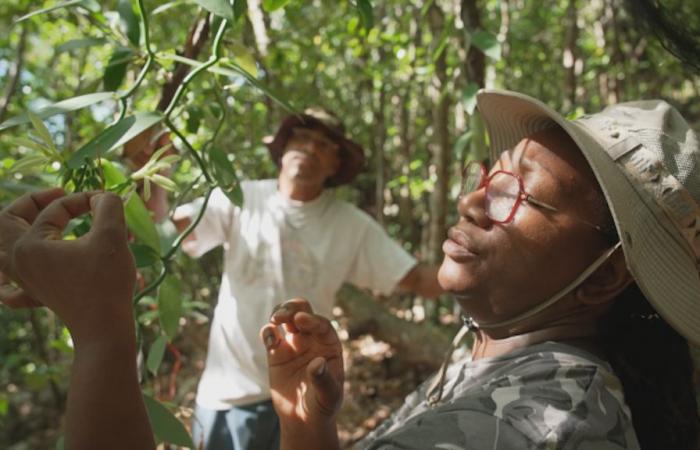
(222, 8)
(245, 59)
(155, 354)
(114, 136)
(170, 305)
(240, 8)
(130, 21)
(166, 427)
(272, 5)
(113, 176)
(30, 144)
(77, 44)
(61, 107)
(41, 130)
(144, 255)
(49, 9)
(60, 443)
(139, 221)
(194, 118)
(166, 6)
(225, 176)
(461, 145)
(365, 10)
(444, 39)
(488, 44)
(469, 97)
(29, 163)
(116, 68)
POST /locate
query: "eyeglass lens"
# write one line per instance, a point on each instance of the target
(502, 191)
(501, 196)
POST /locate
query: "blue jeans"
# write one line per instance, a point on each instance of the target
(247, 427)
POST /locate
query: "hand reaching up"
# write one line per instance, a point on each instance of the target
(87, 281)
(306, 375)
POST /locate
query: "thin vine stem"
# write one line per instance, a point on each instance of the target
(173, 248)
(123, 99)
(213, 59)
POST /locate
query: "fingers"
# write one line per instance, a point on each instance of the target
(29, 205)
(108, 214)
(283, 314)
(52, 220)
(326, 387)
(15, 297)
(270, 336)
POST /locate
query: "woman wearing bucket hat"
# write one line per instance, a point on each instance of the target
(575, 261)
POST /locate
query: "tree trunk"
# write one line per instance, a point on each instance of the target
(414, 343)
(570, 55)
(475, 65)
(14, 74)
(475, 68)
(441, 154)
(379, 141)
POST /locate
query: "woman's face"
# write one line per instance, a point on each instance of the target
(497, 271)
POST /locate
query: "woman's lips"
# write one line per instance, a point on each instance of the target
(457, 245)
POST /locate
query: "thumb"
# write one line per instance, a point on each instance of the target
(325, 388)
(108, 214)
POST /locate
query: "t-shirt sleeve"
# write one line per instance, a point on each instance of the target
(380, 262)
(214, 226)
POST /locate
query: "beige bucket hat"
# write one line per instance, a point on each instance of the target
(647, 161)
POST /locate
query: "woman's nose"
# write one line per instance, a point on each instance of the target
(472, 207)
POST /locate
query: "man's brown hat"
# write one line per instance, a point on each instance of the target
(352, 155)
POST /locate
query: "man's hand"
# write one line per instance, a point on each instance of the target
(306, 375)
(87, 282)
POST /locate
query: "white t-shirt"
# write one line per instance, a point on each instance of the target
(276, 249)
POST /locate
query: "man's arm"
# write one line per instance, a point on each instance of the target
(88, 283)
(421, 280)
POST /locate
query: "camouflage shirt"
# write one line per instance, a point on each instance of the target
(547, 396)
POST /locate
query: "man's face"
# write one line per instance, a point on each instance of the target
(500, 270)
(310, 157)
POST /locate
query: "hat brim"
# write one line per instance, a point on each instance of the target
(656, 258)
(352, 155)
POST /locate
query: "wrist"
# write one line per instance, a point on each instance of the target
(118, 334)
(318, 435)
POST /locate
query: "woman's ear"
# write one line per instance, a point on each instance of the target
(606, 283)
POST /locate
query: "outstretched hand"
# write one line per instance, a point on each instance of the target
(306, 369)
(88, 281)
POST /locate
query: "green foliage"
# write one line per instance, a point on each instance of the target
(130, 22)
(155, 354)
(272, 5)
(166, 427)
(114, 136)
(170, 305)
(93, 74)
(222, 8)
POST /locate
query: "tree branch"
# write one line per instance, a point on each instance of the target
(13, 74)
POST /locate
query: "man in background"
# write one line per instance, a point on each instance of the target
(291, 238)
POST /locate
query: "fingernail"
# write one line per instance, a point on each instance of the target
(269, 338)
(321, 370)
(93, 200)
(279, 311)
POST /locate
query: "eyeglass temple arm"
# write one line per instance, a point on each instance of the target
(530, 199)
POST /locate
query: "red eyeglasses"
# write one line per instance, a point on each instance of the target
(504, 193)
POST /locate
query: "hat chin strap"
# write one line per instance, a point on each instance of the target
(473, 325)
